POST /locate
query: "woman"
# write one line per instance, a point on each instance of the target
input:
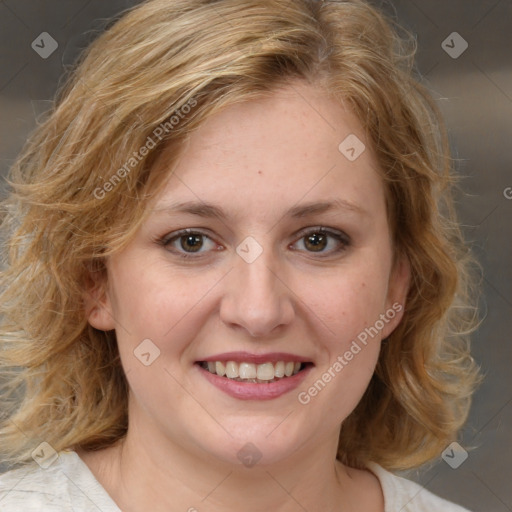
(235, 277)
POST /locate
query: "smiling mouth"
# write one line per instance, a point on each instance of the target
(265, 373)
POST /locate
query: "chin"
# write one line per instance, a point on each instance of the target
(253, 442)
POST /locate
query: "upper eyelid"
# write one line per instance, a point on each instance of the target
(324, 229)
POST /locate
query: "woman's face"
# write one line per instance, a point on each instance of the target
(288, 263)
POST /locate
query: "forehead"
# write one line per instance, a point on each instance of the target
(287, 148)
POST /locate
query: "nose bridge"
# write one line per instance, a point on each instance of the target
(256, 298)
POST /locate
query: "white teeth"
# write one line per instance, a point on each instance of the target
(231, 370)
(250, 372)
(265, 371)
(220, 368)
(279, 369)
(247, 371)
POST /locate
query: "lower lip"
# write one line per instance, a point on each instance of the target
(254, 391)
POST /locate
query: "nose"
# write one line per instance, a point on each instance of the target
(256, 297)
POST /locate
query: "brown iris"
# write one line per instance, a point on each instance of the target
(191, 243)
(316, 241)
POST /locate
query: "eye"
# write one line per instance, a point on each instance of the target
(317, 240)
(188, 242)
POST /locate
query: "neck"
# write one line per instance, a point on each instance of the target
(145, 471)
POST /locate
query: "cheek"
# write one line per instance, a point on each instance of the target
(157, 305)
(155, 296)
(350, 301)
(346, 311)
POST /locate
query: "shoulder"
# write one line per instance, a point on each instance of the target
(408, 496)
(65, 486)
(32, 488)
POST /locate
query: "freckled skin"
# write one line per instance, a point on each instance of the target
(285, 301)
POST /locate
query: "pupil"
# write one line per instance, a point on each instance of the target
(192, 242)
(317, 240)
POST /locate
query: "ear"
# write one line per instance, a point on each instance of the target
(398, 287)
(97, 302)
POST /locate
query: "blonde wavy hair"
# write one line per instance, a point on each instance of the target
(62, 381)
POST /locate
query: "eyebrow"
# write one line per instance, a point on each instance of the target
(209, 210)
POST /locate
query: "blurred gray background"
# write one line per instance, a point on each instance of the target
(473, 87)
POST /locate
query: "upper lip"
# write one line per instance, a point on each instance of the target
(247, 357)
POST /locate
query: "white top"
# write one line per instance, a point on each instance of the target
(68, 485)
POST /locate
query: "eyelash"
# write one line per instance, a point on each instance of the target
(339, 236)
